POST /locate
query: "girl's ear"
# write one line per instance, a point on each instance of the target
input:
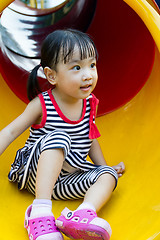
(50, 75)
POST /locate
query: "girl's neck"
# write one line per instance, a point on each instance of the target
(71, 108)
(63, 98)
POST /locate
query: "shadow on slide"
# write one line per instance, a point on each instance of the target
(129, 116)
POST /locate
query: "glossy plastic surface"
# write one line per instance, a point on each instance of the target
(120, 35)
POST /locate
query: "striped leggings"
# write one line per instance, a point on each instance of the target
(68, 185)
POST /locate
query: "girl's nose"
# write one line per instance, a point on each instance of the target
(87, 76)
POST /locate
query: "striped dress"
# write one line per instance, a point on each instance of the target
(74, 137)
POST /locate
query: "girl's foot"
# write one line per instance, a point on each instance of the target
(83, 224)
(41, 228)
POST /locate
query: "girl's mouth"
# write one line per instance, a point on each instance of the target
(86, 87)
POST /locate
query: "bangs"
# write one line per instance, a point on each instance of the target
(60, 46)
(85, 45)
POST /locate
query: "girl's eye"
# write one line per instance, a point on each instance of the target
(77, 67)
(93, 65)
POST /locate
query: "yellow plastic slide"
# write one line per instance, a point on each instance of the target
(130, 134)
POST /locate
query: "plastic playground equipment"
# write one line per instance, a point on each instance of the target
(127, 35)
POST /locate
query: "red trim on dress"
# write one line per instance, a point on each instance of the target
(60, 113)
(44, 114)
(93, 130)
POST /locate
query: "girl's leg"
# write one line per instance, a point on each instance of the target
(83, 222)
(48, 169)
(99, 193)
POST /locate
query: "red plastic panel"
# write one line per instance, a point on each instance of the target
(126, 54)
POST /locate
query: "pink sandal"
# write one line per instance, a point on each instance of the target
(40, 226)
(83, 224)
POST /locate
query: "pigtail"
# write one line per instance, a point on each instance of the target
(33, 88)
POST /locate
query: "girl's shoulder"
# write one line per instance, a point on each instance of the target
(35, 104)
(45, 97)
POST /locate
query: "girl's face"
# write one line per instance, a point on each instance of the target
(77, 78)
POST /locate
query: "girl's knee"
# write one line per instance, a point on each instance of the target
(107, 177)
(109, 180)
(57, 140)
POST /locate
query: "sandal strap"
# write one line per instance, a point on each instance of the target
(67, 213)
(40, 226)
(84, 213)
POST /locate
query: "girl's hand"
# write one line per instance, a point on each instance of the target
(120, 168)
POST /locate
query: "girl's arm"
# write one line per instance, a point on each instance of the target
(30, 116)
(97, 158)
(96, 154)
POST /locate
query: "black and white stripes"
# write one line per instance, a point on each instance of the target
(57, 131)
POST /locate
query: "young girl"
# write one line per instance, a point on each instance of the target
(53, 164)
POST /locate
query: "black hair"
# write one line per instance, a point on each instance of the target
(59, 46)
